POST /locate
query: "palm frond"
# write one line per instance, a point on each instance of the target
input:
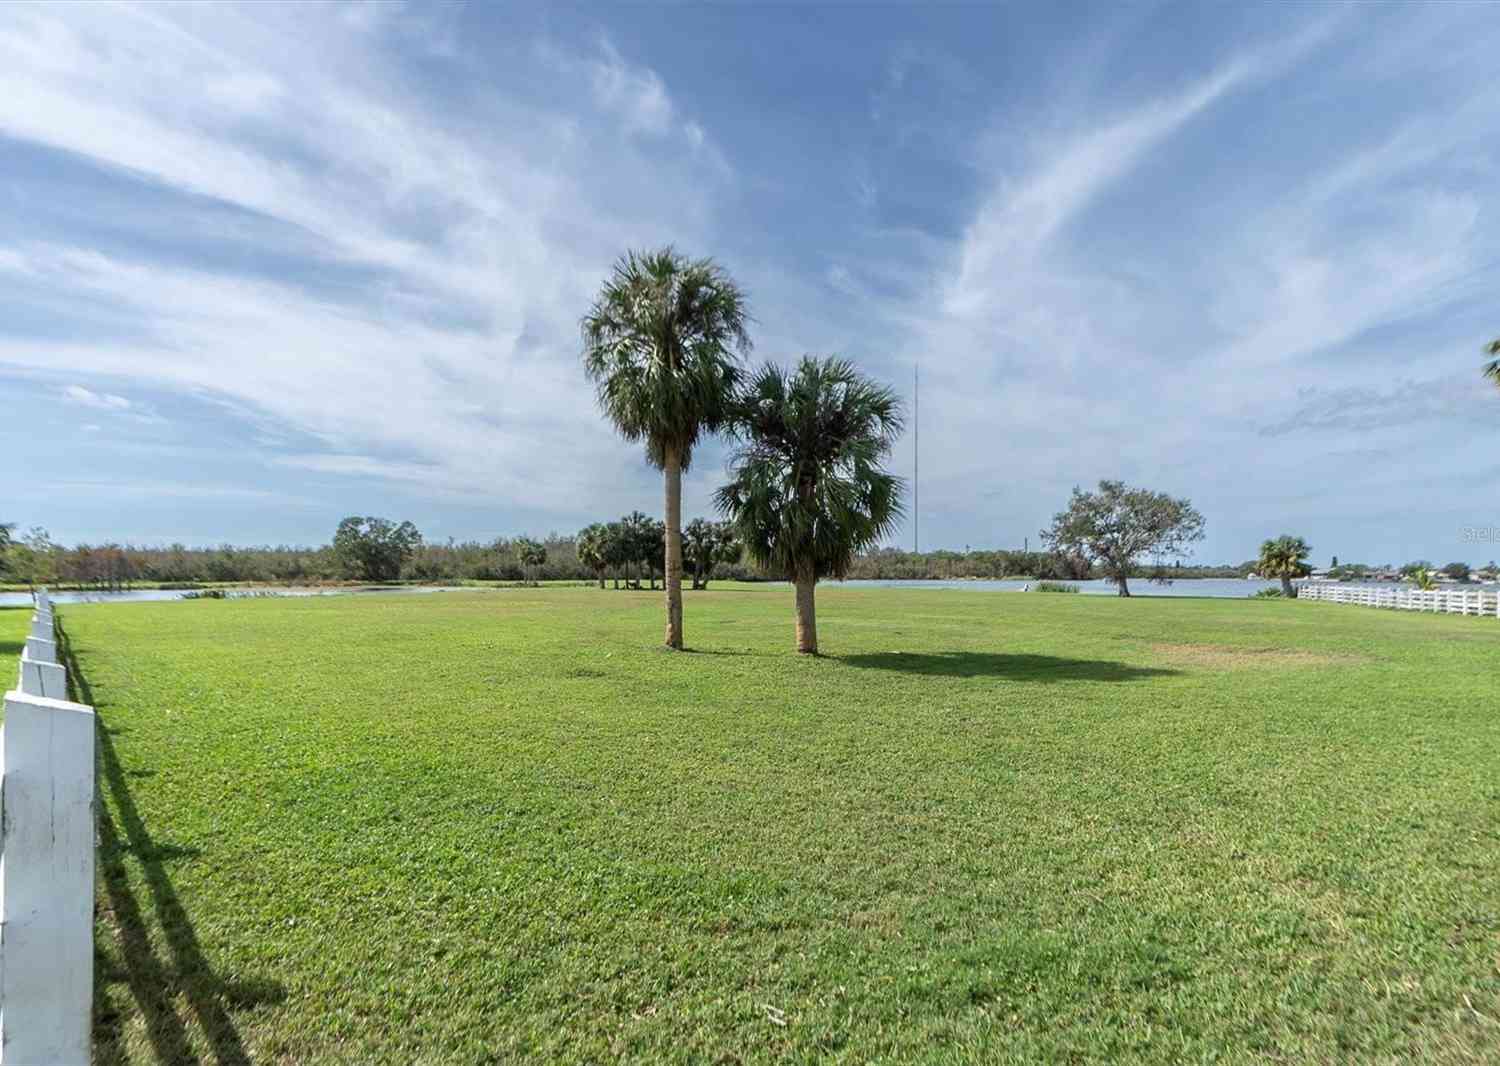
(807, 491)
(1284, 556)
(663, 344)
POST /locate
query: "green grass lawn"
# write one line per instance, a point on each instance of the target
(487, 827)
(15, 624)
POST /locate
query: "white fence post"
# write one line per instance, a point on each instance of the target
(43, 679)
(46, 860)
(41, 649)
(46, 881)
(1440, 601)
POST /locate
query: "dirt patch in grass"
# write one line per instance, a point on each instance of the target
(1228, 657)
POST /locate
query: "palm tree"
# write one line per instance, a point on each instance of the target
(663, 344)
(1286, 558)
(705, 544)
(642, 544)
(1423, 579)
(1492, 368)
(591, 547)
(807, 490)
(532, 556)
(616, 549)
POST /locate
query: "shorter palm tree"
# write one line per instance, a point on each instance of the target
(1423, 579)
(591, 548)
(807, 490)
(1284, 557)
(532, 556)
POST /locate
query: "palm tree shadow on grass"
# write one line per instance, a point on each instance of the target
(1014, 667)
(156, 978)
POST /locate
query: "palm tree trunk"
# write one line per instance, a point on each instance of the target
(807, 616)
(672, 569)
(1286, 587)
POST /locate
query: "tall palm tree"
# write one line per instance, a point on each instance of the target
(1492, 368)
(663, 345)
(807, 490)
(1286, 558)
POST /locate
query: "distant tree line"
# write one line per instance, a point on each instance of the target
(632, 558)
(710, 552)
(367, 548)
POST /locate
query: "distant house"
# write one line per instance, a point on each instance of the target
(1319, 575)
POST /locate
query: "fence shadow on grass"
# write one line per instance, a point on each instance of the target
(1014, 667)
(157, 979)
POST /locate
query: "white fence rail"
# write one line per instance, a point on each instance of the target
(46, 860)
(1443, 601)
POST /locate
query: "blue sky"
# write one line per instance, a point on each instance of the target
(262, 267)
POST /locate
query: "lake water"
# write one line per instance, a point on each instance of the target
(1220, 588)
(1214, 587)
(23, 599)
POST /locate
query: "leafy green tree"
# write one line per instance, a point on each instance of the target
(705, 544)
(33, 558)
(1116, 525)
(374, 549)
(1284, 557)
(807, 490)
(532, 555)
(591, 546)
(663, 345)
(1457, 571)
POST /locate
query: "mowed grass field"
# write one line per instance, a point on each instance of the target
(15, 624)
(498, 827)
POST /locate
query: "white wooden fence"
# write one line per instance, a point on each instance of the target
(1444, 601)
(46, 860)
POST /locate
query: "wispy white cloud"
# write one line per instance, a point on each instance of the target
(637, 94)
(368, 245)
(1160, 361)
(478, 235)
(104, 401)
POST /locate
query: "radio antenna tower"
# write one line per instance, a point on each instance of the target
(916, 460)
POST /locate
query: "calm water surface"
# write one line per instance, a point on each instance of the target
(1215, 587)
(1208, 586)
(23, 599)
